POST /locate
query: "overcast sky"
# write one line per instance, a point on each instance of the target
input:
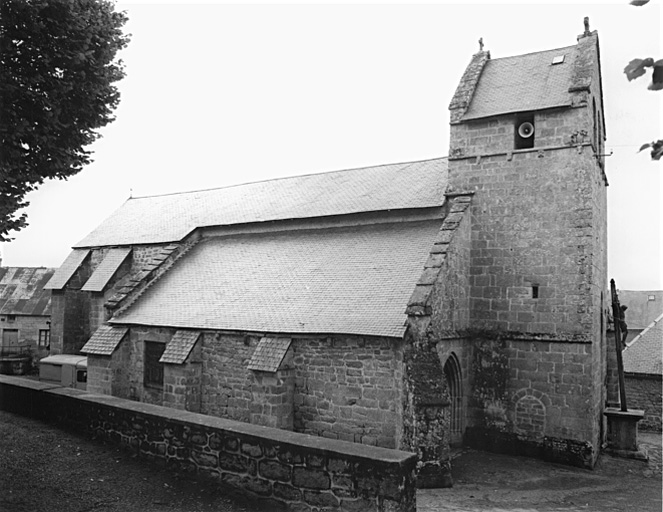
(220, 94)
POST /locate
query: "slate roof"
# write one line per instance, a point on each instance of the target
(22, 291)
(338, 280)
(105, 270)
(67, 269)
(269, 354)
(523, 83)
(169, 218)
(105, 340)
(179, 347)
(645, 353)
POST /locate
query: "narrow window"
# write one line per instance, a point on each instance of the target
(44, 338)
(535, 291)
(153, 369)
(524, 132)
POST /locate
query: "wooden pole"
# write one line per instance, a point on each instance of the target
(616, 312)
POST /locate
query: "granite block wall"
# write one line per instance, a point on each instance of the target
(300, 472)
(28, 328)
(645, 392)
(538, 268)
(346, 388)
(349, 388)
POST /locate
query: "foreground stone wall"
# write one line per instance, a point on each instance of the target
(303, 472)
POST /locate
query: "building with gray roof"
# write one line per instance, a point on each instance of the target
(25, 311)
(643, 369)
(413, 305)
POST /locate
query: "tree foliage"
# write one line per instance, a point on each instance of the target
(57, 70)
(635, 69)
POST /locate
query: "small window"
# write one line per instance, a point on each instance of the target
(81, 375)
(44, 338)
(11, 318)
(535, 291)
(651, 297)
(153, 369)
(524, 132)
(557, 59)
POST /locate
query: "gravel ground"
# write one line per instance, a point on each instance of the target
(43, 469)
(488, 482)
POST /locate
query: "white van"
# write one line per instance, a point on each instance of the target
(64, 369)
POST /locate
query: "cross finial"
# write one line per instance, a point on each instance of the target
(586, 21)
(481, 44)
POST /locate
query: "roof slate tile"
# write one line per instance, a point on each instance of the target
(354, 280)
(170, 218)
(105, 340)
(179, 347)
(106, 269)
(645, 352)
(523, 83)
(269, 354)
(22, 291)
(67, 269)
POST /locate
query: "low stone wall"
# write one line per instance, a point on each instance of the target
(645, 392)
(305, 473)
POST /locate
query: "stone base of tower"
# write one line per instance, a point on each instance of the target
(562, 451)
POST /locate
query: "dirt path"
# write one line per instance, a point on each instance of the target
(499, 483)
(43, 469)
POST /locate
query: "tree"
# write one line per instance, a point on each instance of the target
(635, 69)
(57, 69)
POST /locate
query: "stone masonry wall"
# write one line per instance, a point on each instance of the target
(644, 392)
(28, 332)
(450, 298)
(529, 229)
(182, 382)
(284, 468)
(111, 375)
(538, 256)
(349, 389)
(340, 388)
(76, 322)
(226, 381)
(534, 398)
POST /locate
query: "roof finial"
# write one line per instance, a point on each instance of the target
(481, 44)
(586, 21)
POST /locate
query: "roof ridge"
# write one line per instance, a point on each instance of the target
(534, 53)
(282, 178)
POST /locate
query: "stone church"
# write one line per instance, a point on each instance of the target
(414, 306)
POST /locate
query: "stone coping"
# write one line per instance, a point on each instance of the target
(318, 444)
(630, 414)
(28, 383)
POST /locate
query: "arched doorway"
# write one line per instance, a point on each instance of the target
(452, 374)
